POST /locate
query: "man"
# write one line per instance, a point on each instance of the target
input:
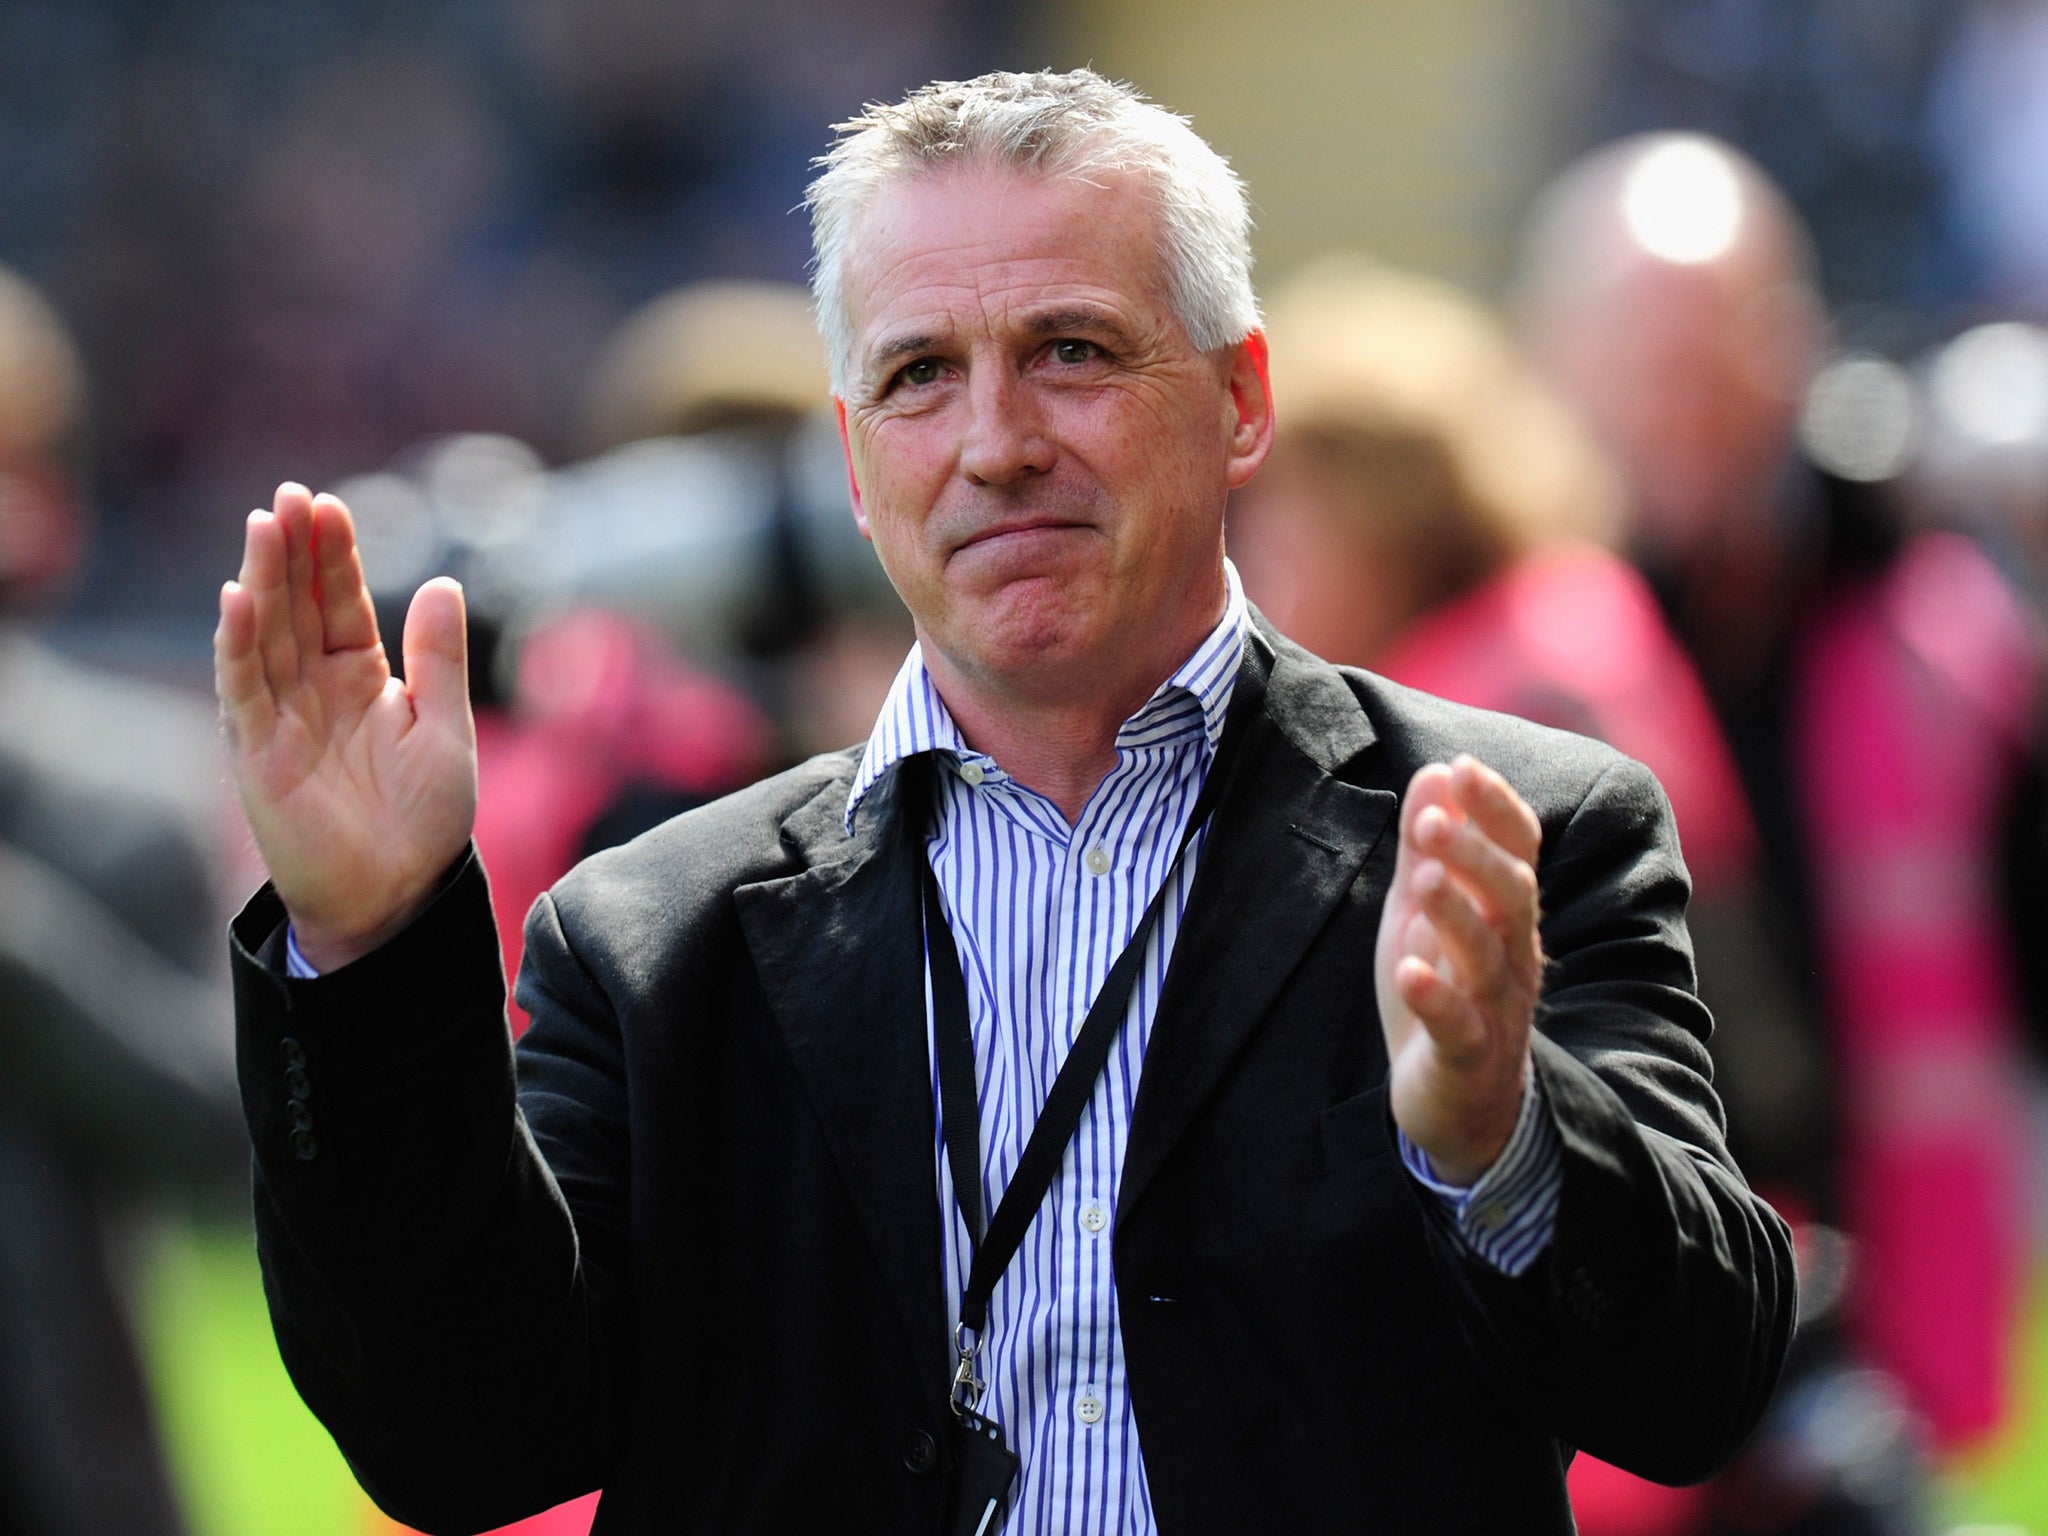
(1878, 690)
(113, 1008)
(713, 1256)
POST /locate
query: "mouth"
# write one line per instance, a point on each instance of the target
(1018, 530)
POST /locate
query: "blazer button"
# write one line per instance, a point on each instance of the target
(304, 1147)
(294, 1054)
(299, 1085)
(920, 1454)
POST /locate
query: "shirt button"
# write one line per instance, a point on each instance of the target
(973, 773)
(1097, 861)
(1093, 1217)
(1491, 1217)
(1089, 1409)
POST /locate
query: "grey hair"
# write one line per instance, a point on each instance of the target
(1075, 124)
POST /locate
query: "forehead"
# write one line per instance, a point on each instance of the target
(976, 246)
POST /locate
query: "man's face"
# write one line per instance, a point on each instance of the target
(1038, 453)
(1691, 377)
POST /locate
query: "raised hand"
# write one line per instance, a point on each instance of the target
(1458, 966)
(360, 789)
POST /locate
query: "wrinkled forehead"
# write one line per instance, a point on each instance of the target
(966, 224)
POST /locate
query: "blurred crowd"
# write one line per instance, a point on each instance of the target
(1746, 472)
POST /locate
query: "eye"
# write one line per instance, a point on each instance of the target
(924, 371)
(1072, 352)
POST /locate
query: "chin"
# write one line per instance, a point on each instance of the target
(1039, 630)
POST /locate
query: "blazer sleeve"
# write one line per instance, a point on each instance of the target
(1652, 1330)
(443, 1306)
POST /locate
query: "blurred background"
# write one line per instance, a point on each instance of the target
(1670, 369)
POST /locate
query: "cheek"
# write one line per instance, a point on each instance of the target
(1141, 448)
(910, 450)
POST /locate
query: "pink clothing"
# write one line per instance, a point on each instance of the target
(602, 705)
(1914, 697)
(1574, 637)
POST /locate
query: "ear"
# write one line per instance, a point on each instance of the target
(1249, 416)
(860, 511)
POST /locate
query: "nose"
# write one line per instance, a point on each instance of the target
(1006, 437)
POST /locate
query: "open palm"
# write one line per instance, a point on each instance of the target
(360, 789)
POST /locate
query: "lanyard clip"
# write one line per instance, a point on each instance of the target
(968, 1385)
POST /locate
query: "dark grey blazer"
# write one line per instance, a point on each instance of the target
(693, 1256)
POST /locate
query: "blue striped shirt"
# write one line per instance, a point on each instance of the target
(1040, 912)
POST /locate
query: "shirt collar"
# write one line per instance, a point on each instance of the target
(914, 718)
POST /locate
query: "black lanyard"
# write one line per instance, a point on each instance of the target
(953, 1044)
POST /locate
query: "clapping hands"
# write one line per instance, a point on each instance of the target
(1459, 966)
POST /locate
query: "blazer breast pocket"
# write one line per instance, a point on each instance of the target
(1355, 1130)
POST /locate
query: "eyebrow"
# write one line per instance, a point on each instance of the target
(1076, 321)
(884, 358)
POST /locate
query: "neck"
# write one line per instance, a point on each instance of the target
(1063, 750)
(1057, 740)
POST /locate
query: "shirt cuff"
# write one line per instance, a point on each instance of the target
(1510, 1215)
(296, 964)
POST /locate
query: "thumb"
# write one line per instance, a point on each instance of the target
(437, 655)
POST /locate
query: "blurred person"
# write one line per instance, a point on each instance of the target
(590, 724)
(705, 1244)
(113, 1016)
(1980, 462)
(1432, 511)
(820, 624)
(1429, 503)
(1875, 688)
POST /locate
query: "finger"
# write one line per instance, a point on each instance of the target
(348, 617)
(1419, 938)
(1504, 885)
(437, 656)
(293, 508)
(1429, 788)
(1476, 956)
(263, 579)
(1451, 1019)
(1491, 801)
(247, 706)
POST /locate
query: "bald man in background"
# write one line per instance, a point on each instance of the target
(1875, 689)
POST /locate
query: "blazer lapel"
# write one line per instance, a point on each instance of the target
(839, 949)
(1285, 845)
